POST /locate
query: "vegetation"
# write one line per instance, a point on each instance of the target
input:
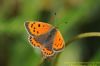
(74, 16)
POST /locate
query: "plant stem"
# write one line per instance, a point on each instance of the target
(83, 35)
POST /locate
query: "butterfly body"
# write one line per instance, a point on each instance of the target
(44, 36)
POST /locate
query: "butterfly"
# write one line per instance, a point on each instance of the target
(45, 37)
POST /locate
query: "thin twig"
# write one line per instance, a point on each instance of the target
(83, 35)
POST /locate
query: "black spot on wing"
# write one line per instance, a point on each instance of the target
(33, 30)
(37, 32)
(27, 28)
(34, 27)
(38, 25)
(31, 25)
(59, 39)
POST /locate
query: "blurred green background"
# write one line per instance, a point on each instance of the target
(80, 16)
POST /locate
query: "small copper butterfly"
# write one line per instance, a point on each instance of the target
(45, 37)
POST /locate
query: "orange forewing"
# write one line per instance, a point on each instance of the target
(37, 28)
(58, 43)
